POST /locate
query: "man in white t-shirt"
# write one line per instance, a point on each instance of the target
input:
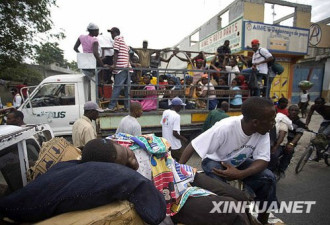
(232, 69)
(129, 124)
(239, 148)
(171, 127)
(106, 52)
(260, 58)
(17, 100)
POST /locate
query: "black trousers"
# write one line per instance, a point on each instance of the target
(196, 210)
(107, 74)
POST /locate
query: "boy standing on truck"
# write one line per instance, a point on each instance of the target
(121, 61)
(83, 130)
(171, 127)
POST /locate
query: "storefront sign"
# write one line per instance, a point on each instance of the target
(232, 32)
(276, 38)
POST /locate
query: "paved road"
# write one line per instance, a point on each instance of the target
(312, 184)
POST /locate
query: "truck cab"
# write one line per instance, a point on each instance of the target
(58, 101)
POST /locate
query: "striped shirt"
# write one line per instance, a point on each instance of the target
(123, 56)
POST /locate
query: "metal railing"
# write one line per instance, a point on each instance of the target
(165, 92)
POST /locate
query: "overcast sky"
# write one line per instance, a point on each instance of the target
(162, 23)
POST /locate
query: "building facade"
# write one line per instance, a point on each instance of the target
(292, 39)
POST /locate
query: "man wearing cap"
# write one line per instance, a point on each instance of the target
(120, 60)
(90, 43)
(83, 130)
(171, 127)
(260, 58)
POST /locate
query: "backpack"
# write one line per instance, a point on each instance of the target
(274, 66)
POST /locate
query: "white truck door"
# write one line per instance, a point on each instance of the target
(56, 104)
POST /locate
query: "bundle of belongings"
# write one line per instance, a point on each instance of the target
(189, 194)
(156, 164)
(69, 191)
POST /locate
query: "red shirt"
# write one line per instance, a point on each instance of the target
(24, 92)
(284, 111)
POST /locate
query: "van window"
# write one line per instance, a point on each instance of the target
(54, 95)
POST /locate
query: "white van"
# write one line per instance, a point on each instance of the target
(19, 149)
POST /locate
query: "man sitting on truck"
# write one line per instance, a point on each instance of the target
(83, 130)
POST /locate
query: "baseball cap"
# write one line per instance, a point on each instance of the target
(92, 26)
(92, 106)
(255, 42)
(114, 29)
(177, 101)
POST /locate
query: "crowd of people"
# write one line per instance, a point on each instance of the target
(152, 172)
(225, 71)
(250, 148)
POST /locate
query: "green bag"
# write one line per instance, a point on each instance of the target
(277, 68)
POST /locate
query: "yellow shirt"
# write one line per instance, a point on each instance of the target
(190, 67)
(83, 131)
(153, 80)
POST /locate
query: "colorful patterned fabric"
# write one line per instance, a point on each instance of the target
(151, 143)
(183, 175)
(164, 181)
(190, 192)
(170, 177)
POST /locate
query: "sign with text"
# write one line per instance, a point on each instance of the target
(276, 38)
(232, 32)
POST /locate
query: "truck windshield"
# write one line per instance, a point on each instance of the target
(54, 94)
